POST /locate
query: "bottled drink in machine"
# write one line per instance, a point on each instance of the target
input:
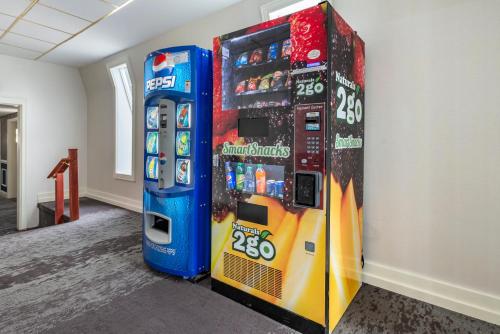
(249, 180)
(260, 179)
(230, 176)
(240, 176)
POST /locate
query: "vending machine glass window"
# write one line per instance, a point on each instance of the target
(256, 69)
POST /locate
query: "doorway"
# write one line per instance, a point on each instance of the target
(9, 137)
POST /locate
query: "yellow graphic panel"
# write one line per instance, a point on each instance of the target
(289, 275)
(345, 250)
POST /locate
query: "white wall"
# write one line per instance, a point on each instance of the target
(99, 88)
(55, 114)
(432, 156)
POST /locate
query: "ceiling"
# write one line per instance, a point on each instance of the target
(80, 32)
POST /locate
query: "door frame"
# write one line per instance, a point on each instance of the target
(9, 163)
(22, 154)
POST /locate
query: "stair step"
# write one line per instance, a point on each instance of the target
(46, 213)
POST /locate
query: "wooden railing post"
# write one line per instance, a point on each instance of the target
(74, 198)
(74, 206)
(59, 209)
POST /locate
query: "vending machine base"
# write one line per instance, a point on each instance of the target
(279, 314)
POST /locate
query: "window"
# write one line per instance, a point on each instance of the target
(278, 8)
(124, 122)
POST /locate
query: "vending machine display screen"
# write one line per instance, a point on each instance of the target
(152, 118)
(183, 143)
(152, 143)
(313, 121)
(183, 116)
(183, 171)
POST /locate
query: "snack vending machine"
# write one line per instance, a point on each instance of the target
(288, 138)
(177, 158)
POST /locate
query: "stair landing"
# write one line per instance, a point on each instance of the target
(46, 210)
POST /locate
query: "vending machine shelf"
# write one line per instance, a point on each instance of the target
(269, 63)
(263, 91)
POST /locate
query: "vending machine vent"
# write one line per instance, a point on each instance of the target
(255, 275)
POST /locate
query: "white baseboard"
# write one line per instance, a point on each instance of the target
(50, 196)
(453, 297)
(121, 201)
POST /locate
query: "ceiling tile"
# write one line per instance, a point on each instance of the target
(123, 29)
(26, 42)
(55, 19)
(17, 52)
(6, 21)
(13, 7)
(87, 9)
(40, 32)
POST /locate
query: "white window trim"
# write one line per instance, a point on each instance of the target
(109, 66)
(274, 5)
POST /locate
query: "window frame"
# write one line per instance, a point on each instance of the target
(109, 66)
(267, 8)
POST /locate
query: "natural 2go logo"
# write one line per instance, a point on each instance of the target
(255, 245)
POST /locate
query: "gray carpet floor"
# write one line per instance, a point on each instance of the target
(8, 214)
(89, 277)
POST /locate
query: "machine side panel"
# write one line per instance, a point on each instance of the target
(202, 175)
(347, 91)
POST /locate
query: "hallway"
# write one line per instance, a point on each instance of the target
(89, 277)
(8, 213)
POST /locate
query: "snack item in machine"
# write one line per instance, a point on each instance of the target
(288, 82)
(286, 49)
(256, 56)
(241, 87)
(277, 81)
(242, 59)
(272, 53)
(265, 82)
(253, 83)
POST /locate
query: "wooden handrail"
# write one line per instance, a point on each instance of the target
(57, 174)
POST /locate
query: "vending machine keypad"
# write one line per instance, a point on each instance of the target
(312, 145)
(309, 153)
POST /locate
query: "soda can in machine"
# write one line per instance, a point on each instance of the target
(230, 176)
(270, 188)
(279, 187)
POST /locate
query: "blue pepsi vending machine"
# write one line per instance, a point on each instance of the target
(177, 160)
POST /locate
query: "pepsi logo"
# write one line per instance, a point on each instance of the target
(162, 61)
